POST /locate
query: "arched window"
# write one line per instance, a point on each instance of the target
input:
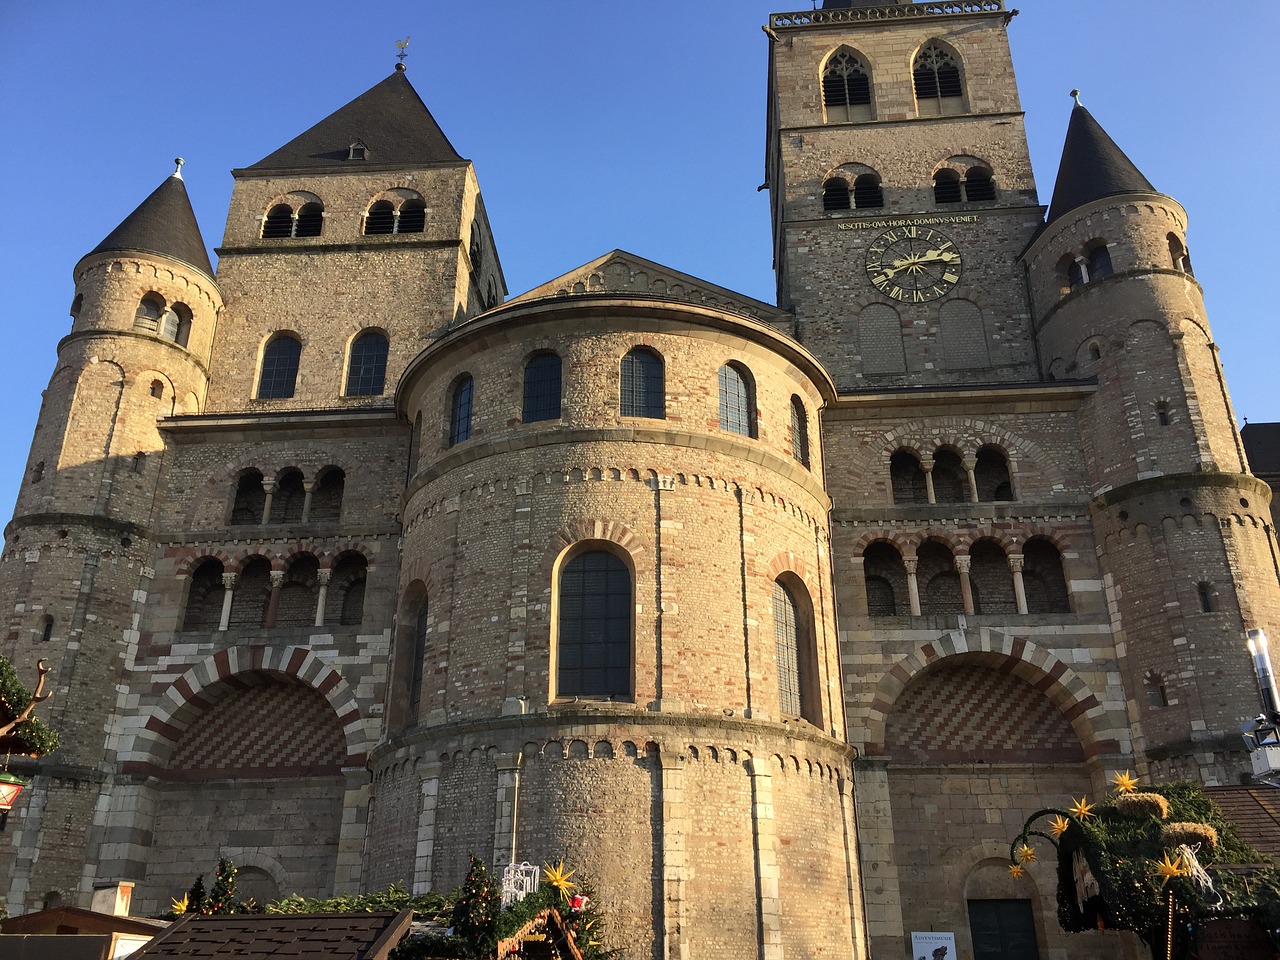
(1207, 596)
(289, 496)
(1070, 273)
(867, 192)
(990, 579)
(1157, 694)
(310, 220)
(250, 499)
(737, 400)
(460, 410)
(950, 480)
(476, 250)
(326, 497)
(1162, 413)
(799, 431)
(946, 186)
(1177, 255)
(835, 194)
(979, 185)
(642, 391)
(296, 606)
(906, 477)
(846, 88)
(380, 219)
(204, 599)
(786, 638)
(419, 654)
(367, 370)
(991, 471)
(279, 222)
(279, 374)
(176, 324)
(252, 594)
(939, 581)
(76, 305)
(1044, 578)
(936, 74)
(345, 604)
(1100, 262)
(886, 580)
(594, 627)
(542, 388)
(147, 317)
(412, 217)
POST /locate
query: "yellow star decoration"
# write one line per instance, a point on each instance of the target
(1059, 825)
(1082, 809)
(558, 877)
(1168, 869)
(180, 906)
(1016, 871)
(1026, 854)
(1124, 782)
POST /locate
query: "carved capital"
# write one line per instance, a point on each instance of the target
(911, 563)
(229, 580)
(277, 579)
(322, 577)
(1016, 563)
(963, 564)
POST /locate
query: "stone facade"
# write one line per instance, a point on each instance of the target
(894, 564)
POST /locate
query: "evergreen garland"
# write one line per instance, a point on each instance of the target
(33, 737)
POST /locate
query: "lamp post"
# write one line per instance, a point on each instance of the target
(1262, 734)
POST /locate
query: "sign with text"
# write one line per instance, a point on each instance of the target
(1233, 940)
(933, 946)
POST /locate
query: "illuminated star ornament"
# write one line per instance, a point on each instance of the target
(1016, 871)
(1168, 869)
(1026, 854)
(1059, 825)
(558, 877)
(1124, 782)
(1082, 809)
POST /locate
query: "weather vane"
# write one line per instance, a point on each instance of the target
(400, 45)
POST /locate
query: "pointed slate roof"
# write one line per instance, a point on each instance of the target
(391, 121)
(1092, 167)
(164, 223)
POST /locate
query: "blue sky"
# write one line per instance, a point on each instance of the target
(593, 125)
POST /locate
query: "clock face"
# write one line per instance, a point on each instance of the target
(913, 264)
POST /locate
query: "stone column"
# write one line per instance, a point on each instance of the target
(270, 487)
(307, 487)
(1014, 493)
(228, 591)
(675, 827)
(928, 481)
(966, 588)
(354, 830)
(273, 604)
(424, 855)
(322, 577)
(969, 467)
(506, 811)
(913, 586)
(768, 878)
(1016, 563)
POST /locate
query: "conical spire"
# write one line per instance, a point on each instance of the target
(164, 223)
(1092, 166)
(389, 121)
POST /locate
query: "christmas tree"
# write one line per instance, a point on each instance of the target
(475, 915)
(196, 897)
(222, 898)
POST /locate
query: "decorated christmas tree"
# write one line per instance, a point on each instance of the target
(475, 914)
(196, 898)
(222, 898)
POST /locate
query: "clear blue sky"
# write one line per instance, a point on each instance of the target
(593, 125)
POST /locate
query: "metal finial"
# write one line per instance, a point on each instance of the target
(400, 45)
(178, 162)
(1075, 95)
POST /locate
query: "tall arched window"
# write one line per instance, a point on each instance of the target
(344, 602)
(279, 374)
(737, 400)
(326, 496)
(846, 87)
(1100, 262)
(867, 192)
(147, 316)
(367, 370)
(936, 73)
(991, 472)
(205, 597)
(990, 578)
(906, 477)
(799, 693)
(938, 579)
(250, 499)
(950, 480)
(1044, 578)
(642, 391)
(542, 388)
(176, 324)
(289, 497)
(594, 627)
(886, 580)
(460, 410)
(835, 194)
(799, 431)
(296, 605)
(252, 594)
(419, 654)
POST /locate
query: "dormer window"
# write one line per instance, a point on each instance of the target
(357, 151)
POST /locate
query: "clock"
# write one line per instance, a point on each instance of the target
(913, 264)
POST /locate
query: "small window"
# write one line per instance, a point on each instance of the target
(737, 400)
(138, 463)
(936, 75)
(1157, 692)
(835, 194)
(978, 185)
(279, 368)
(946, 187)
(46, 629)
(147, 317)
(593, 635)
(1095, 352)
(420, 626)
(1162, 413)
(412, 217)
(642, 391)
(846, 88)
(460, 410)
(157, 389)
(867, 192)
(542, 388)
(380, 219)
(1205, 594)
(76, 304)
(37, 472)
(367, 371)
(1177, 254)
(1100, 263)
(799, 432)
(357, 151)
(310, 220)
(279, 222)
(476, 250)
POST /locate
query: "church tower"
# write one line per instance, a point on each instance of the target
(901, 193)
(79, 551)
(1183, 529)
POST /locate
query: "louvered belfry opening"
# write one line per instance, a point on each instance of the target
(380, 219)
(846, 87)
(867, 192)
(835, 195)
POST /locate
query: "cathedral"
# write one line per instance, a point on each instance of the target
(776, 620)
